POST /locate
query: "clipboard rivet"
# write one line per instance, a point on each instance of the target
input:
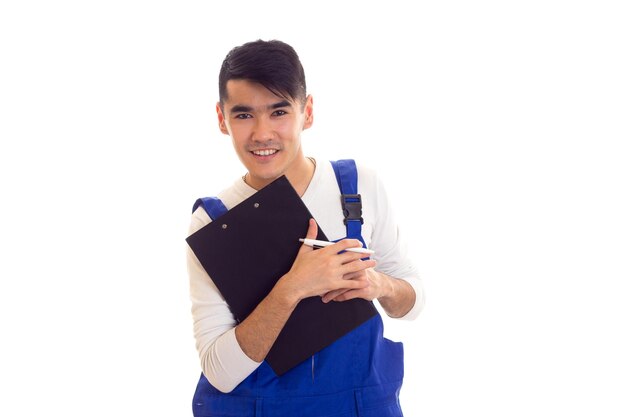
(256, 205)
(224, 226)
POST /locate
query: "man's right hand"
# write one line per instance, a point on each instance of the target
(316, 272)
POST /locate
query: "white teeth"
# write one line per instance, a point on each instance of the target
(265, 152)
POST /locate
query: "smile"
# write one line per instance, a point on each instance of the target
(265, 152)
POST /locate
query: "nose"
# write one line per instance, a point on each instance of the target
(263, 130)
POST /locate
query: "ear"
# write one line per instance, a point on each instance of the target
(221, 119)
(308, 112)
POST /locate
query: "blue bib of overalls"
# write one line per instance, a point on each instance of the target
(360, 374)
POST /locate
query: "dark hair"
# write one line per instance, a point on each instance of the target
(273, 64)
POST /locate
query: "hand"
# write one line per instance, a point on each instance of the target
(316, 272)
(378, 286)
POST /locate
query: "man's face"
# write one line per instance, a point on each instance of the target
(265, 130)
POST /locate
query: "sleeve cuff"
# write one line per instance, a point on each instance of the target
(417, 308)
(235, 364)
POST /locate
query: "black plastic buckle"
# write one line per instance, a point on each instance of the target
(352, 208)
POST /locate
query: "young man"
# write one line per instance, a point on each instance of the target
(264, 108)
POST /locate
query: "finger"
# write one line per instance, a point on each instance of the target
(347, 285)
(356, 266)
(352, 294)
(355, 275)
(353, 284)
(331, 295)
(347, 257)
(310, 234)
(344, 244)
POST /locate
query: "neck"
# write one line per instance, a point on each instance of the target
(299, 176)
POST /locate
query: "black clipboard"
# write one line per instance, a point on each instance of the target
(245, 252)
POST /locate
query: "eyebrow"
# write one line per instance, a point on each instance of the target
(241, 108)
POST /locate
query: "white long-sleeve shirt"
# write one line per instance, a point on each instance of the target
(223, 362)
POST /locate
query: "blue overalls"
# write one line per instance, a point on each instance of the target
(358, 375)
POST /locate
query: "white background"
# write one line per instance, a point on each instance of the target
(499, 129)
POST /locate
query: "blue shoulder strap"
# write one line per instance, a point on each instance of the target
(347, 179)
(212, 205)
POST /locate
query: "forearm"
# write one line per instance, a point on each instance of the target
(258, 332)
(229, 352)
(313, 273)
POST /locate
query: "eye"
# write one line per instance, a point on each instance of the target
(279, 113)
(243, 116)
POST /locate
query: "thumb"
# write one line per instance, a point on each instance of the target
(310, 234)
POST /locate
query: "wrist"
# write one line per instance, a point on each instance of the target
(387, 286)
(286, 293)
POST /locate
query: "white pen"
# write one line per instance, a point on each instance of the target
(322, 243)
